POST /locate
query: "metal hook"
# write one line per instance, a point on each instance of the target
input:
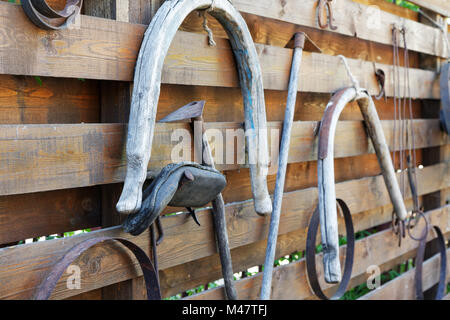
(326, 5)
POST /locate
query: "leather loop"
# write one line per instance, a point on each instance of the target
(419, 264)
(150, 277)
(42, 15)
(311, 256)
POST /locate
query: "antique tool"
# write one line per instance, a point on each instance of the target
(184, 184)
(194, 112)
(151, 281)
(325, 8)
(147, 82)
(43, 16)
(440, 292)
(327, 192)
(299, 43)
(311, 253)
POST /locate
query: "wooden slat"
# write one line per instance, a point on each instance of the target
(278, 33)
(352, 19)
(47, 100)
(48, 157)
(392, 8)
(439, 6)
(23, 267)
(290, 281)
(174, 280)
(44, 213)
(403, 288)
(225, 104)
(106, 49)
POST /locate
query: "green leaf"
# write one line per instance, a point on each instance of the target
(38, 80)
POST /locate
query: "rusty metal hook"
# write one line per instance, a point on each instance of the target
(326, 5)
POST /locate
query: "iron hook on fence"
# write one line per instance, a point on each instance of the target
(325, 8)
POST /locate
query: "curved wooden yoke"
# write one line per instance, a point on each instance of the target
(147, 82)
(327, 192)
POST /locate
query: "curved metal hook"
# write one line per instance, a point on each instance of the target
(325, 6)
(147, 82)
(327, 192)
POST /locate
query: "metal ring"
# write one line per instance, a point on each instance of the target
(409, 227)
(41, 14)
(311, 256)
(151, 281)
(443, 268)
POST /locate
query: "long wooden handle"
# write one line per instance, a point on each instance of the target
(147, 82)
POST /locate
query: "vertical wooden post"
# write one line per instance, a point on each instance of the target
(115, 100)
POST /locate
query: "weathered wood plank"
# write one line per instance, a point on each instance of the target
(174, 280)
(439, 6)
(402, 288)
(47, 100)
(225, 104)
(107, 49)
(48, 157)
(37, 214)
(278, 33)
(23, 267)
(290, 281)
(352, 19)
(392, 8)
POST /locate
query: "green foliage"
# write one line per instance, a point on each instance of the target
(38, 80)
(405, 4)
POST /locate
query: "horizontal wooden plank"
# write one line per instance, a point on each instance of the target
(395, 289)
(365, 23)
(278, 33)
(173, 280)
(22, 268)
(106, 49)
(225, 104)
(48, 100)
(47, 157)
(439, 6)
(392, 8)
(44, 213)
(290, 281)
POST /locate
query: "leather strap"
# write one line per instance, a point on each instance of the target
(311, 254)
(419, 264)
(445, 97)
(42, 15)
(150, 277)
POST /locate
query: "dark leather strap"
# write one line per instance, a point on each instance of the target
(151, 280)
(311, 253)
(419, 264)
(445, 97)
(41, 14)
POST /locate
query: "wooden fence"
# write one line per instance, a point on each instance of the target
(64, 104)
